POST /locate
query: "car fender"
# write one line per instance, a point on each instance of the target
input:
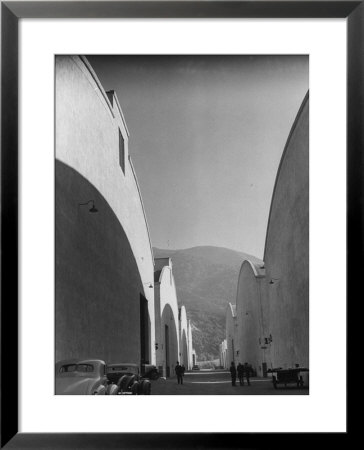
(99, 390)
(135, 388)
(112, 389)
(124, 382)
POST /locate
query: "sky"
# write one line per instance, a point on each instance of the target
(206, 137)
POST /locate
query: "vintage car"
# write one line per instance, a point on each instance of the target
(288, 376)
(127, 378)
(82, 377)
(150, 371)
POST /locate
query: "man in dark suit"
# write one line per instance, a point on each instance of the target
(233, 373)
(247, 371)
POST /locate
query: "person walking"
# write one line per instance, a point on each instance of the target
(240, 370)
(178, 370)
(247, 370)
(233, 373)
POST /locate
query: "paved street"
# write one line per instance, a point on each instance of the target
(218, 382)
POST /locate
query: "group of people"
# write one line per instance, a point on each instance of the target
(241, 370)
(180, 371)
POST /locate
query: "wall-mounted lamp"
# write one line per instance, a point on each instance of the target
(156, 345)
(150, 285)
(273, 280)
(92, 208)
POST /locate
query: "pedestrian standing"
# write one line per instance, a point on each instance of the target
(247, 370)
(240, 370)
(178, 370)
(233, 373)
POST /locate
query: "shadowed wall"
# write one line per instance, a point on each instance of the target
(97, 280)
(92, 139)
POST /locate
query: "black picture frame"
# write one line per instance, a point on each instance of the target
(11, 12)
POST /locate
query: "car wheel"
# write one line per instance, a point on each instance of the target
(145, 387)
(123, 383)
(135, 388)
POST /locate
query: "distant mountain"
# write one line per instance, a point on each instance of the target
(206, 281)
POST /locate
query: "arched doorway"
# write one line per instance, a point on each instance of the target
(170, 341)
(184, 351)
(144, 331)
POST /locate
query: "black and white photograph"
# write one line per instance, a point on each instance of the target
(182, 224)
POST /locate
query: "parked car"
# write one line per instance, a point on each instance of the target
(150, 371)
(82, 377)
(127, 378)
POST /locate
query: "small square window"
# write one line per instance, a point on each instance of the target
(121, 152)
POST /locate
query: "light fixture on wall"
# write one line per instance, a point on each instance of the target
(150, 285)
(156, 345)
(273, 280)
(92, 208)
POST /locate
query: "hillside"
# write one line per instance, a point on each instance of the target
(206, 281)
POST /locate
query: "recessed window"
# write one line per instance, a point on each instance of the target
(121, 152)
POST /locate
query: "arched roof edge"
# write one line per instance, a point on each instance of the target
(98, 83)
(293, 128)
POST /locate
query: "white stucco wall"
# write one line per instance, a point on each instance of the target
(251, 316)
(165, 290)
(87, 139)
(190, 345)
(223, 351)
(286, 253)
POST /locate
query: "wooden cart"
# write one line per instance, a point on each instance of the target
(287, 376)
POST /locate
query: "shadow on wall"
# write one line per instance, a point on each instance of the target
(98, 285)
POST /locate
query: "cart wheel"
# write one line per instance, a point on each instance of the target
(275, 382)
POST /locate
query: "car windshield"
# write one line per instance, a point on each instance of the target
(76, 368)
(129, 369)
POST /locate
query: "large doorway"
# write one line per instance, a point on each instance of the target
(144, 330)
(166, 341)
(170, 341)
(184, 350)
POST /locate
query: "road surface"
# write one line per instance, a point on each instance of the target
(218, 382)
